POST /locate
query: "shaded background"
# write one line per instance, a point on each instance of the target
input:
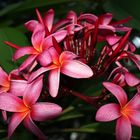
(14, 13)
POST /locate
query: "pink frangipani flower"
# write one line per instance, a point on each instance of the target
(27, 110)
(38, 51)
(125, 112)
(65, 63)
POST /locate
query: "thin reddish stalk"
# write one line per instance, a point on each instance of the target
(12, 45)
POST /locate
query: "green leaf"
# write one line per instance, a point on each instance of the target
(9, 8)
(122, 9)
(30, 4)
(6, 52)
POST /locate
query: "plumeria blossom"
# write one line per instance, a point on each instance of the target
(38, 51)
(125, 112)
(65, 63)
(27, 109)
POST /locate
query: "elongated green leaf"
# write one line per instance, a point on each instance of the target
(6, 52)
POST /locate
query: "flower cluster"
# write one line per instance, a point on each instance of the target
(70, 47)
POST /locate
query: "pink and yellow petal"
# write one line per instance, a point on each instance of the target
(43, 111)
(76, 69)
(108, 112)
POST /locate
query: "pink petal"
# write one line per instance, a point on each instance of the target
(4, 115)
(123, 129)
(15, 120)
(134, 117)
(131, 79)
(44, 58)
(29, 124)
(42, 111)
(117, 91)
(31, 25)
(72, 15)
(39, 16)
(40, 71)
(59, 36)
(32, 91)
(23, 51)
(66, 55)
(112, 40)
(56, 45)
(17, 87)
(135, 58)
(54, 54)
(54, 79)
(48, 19)
(76, 69)
(60, 24)
(88, 17)
(11, 103)
(37, 39)
(28, 62)
(105, 29)
(134, 103)
(3, 77)
(106, 18)
(108, 112)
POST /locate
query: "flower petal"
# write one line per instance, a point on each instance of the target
(123, 129)
(76, 69)
(17, 87)
(134, 103)
(106, 18)
(117, 91)
(108, 112)
(3, 77)
(11, 103)
(42, 111)
(31, 25)
(29, 124)
(48, 19)
(15, 120)
(54, 54)
(135, 58)
(54, 79)
(32, 91)
(24, 51)
(112, 39)
(88, 17)
(59, 36)
(72, 15)
(37, 39)
(40, 71)
(131, 79)
(135, 117)
(44, 58)
(28, 62)
(66, 55)
(59, 24)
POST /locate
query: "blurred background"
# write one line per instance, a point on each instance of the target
(73, 124)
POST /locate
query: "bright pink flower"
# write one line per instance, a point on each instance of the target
(65, 63)
(38, 51)
(125, 112)
(27, 110)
